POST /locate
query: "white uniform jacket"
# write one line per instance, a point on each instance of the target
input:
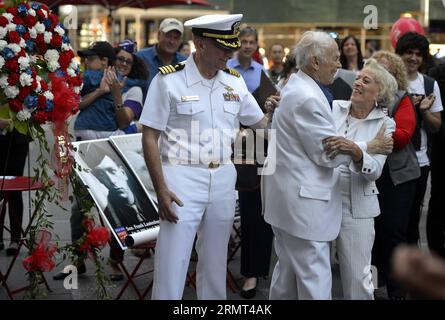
(364, 192)
(302, 196)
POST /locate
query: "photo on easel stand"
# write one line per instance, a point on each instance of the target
(124, 204)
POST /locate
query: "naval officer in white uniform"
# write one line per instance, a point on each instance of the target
(302, 199)
(190, 119)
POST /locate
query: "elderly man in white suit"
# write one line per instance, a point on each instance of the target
(302, 199)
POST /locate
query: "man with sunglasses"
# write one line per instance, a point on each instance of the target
(190, 119)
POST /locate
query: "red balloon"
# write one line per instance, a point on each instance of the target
(402, 26)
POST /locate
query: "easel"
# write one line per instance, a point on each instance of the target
(8, 185)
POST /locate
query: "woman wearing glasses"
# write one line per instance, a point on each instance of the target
(127, 82)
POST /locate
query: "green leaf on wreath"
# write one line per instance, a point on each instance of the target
(21, 127)
(4, 113)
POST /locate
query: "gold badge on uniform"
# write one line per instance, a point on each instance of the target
(229, 95)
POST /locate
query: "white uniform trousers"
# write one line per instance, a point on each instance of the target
(354, 246)
(209, 207)
(303, 269)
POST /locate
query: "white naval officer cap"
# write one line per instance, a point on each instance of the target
(223, 28)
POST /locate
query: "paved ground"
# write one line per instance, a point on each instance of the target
(86, 284)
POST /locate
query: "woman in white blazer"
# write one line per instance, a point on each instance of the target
(358, 121)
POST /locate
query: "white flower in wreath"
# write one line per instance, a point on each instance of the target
(3, 32)
(3, 44)
(4, 81)
(11, 26)
(77, 90)
(24, 62)
(33, 59)
(11, 92)
(66, 47)
(14, 47)
(8, 16)
(25, 79)
(48, 95)
(47, 36)
(2, 62)
(32, 12)
(40, 27)
(33, 32)
(59, 30)
(23, 115)
(71, 72)
(39, 86)
(45, 13)
(22, 43)
(74, 64)
(52, 59)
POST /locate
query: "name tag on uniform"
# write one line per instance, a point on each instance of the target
(189, 98)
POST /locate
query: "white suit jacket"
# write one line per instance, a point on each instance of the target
(302, 196)
(364, 201)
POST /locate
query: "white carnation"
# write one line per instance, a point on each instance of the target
(40, 27)
(45, 13)
(3, 32)
(77, 90)
(71, 72)
(51, 55)
(24, 62)
(53, 66)
(32, 12)
(11, 92)
(59, 30)
(14, 47)
(47, 36)
(4, 81)
(33, 32)
(23, 115)
(74, 64)
(25, 79)
(39, 87)
(66, 47)
(2, 62)
(22, 43)
(48, 95)
(11, 26)
(33, 59)
(3, 44)
(8, 16)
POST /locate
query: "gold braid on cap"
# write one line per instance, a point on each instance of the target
(235, 45)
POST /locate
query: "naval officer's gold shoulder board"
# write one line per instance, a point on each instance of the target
(233, 72)
(171, 68)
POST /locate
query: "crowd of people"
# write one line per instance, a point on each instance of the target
(356, 140)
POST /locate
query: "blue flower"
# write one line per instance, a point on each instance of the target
(31, 102)
(65, 39)
(35, 6)
(8, 53)
(28, 71)
(22, 9)
(49, 106)
(47, 23)
(20, 29)
(60, 73)
(29, 45)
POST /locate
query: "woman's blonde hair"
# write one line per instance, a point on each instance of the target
(396, 67)
(386, 82)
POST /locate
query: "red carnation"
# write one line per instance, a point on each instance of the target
(41, 102)
(40, 43)
(3, 21)
(64, 99)
(12, 65)
(44, 7)
(43, 85)
(26, 36)
(30, 21)
(12, 10)
(54, 19)
(13, 79)
(34, 84)
(24, 92)
(14, 37)
(40, 14)
(22, 53)
(98, 237)
(65, 59)
(18, 20)
(15, 105)
(56, 41)
(41, 117)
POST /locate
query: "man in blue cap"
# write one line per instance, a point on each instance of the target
(190, 119)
